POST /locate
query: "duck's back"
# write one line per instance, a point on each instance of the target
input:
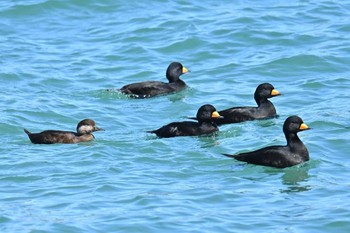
(241, 114)
(185, 128)
(273, 156)
(236, 114)
(152, 88)
(52, 136)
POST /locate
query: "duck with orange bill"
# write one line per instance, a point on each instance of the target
(295, 152)
(205, 125)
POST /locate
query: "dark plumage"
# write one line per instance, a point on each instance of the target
(292, 154)
(205, 115)
(153, 88)
(265, 108)
(83, 134)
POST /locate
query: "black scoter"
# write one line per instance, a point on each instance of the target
(205, 115)
(265, 108)
(83, 134)
(154, 88)
(295, 152)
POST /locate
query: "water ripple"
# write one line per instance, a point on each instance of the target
(59, 58)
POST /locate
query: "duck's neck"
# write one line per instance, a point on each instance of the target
(266, 105)
(297, 146)
(263, 102)
(84, 137)
(293, 140)
(206, 123)
(175, 80)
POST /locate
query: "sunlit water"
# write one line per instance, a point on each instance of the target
(59, 57)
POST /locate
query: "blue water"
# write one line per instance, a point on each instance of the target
(58, 57)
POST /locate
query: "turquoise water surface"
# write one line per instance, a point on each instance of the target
(58, 57)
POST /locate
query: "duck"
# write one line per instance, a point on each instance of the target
(85, 128)
(149, 89)
(265, 108)
(205, 125)
(295, 152)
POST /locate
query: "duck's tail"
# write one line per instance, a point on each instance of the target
(231, 156)
(27, 132)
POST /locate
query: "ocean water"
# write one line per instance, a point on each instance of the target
(57, 59)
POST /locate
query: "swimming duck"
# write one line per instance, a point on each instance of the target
(295, 152)
(83, 134)
(205, 115)
(265, 108)
(153, 88)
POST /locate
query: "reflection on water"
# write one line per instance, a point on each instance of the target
(294, 177)
(110, 93)
(209, 140)
(187, 92)
(267, 122)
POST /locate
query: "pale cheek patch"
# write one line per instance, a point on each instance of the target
(85, 129)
